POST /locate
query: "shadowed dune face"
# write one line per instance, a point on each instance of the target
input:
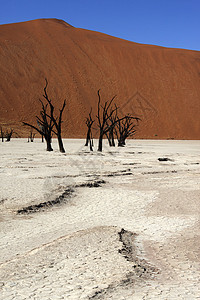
(159, 85)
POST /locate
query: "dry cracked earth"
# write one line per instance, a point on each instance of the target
(123, 224)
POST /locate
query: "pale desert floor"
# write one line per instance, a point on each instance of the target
(136, 236)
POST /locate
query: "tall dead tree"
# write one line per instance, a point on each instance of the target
(89, 122)
(112, 123)
(45, 125)
(104, 114)
(125, 127)
(57, 120)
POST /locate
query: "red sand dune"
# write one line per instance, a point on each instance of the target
(160, 85)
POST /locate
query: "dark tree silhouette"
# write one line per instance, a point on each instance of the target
(57, 121)
(89, 122)
(45, 125)
(42, 130)
(2, 134)
(112, 123)
(8, 135)
(48, 121)
(104, 114)
(125, 127)
(31, 136)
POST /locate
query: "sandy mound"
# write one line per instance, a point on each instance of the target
(158, 84)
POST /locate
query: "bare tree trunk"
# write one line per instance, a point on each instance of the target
(88, 137)
(2, 135)
(57, 121)
(109, 140)
(60, 143)
(91, 145)
(104, 117)
(121, 140)
(121, 143)
(32, 136)
(9, 135)
(89, 122)
(48, 141)
(111, 137)
(100, 142)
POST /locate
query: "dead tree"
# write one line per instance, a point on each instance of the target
(57, 121)
(112, 123)
(8, 135)
(45, 125)
(2, 135)
(31, 136)
(104, 114)
(42, 130)
(125, 127)
(89, 122)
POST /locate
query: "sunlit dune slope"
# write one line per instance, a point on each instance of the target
(160, 85)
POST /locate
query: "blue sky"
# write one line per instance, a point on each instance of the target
(169, 23)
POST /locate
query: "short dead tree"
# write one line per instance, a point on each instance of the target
(8, 135)
(125, 127)
(45, 125)
(104, 114)
(2, 134)
(31, 136)
(89, 122)
(57, 120)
